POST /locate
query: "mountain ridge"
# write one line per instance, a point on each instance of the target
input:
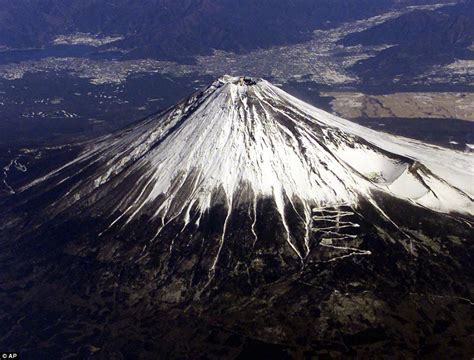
(150, 29)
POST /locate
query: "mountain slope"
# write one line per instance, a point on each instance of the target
(240, 221)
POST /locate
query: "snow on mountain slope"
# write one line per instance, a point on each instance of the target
(243, 139)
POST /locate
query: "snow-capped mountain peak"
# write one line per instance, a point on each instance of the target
(241, 199)
(243, 139)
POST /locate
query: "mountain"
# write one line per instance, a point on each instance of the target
(420, 39)
(241, 222)
(179, 29)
